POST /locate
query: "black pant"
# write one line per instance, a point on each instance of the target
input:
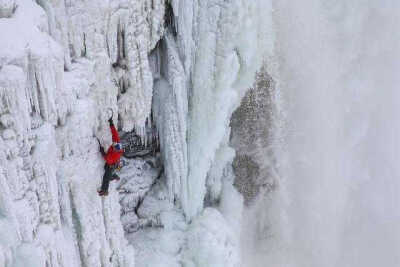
(107, 177)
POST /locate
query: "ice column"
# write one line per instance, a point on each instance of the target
(225, 63)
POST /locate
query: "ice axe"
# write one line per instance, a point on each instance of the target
(112, 113)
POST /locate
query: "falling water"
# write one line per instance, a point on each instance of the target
(337, 203)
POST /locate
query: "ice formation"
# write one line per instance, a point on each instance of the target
(265, 141)
(63, 65)
(50, 168)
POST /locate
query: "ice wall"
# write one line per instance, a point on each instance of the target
(202, 67)
(170, 106)
(221, 46)
(206, 65)
(62, 64)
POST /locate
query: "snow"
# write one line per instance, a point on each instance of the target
(137, 178)
(63, 65)
(7, 8)
(151, 222)
(29, 255)
(50, 165)
(210, 242)
(324, 149)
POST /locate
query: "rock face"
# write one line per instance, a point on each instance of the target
(252, 126)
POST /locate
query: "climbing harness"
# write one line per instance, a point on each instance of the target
(118, 167)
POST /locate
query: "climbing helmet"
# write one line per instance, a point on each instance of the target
(118, 146)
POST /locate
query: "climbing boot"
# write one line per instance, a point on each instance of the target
(103, 193)
(115, 177)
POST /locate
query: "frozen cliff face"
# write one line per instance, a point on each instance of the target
(7, 8)
(56, 82)
(181, 66)
(205, 55)
(217, 92)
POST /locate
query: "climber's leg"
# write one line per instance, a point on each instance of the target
(106, 179)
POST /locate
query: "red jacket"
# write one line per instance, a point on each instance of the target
(112, 156)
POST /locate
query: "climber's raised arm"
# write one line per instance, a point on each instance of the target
(114, 132)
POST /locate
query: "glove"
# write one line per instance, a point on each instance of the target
(110, 121)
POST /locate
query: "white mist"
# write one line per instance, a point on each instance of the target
(339, 194)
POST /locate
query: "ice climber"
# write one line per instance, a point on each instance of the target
(112, 159)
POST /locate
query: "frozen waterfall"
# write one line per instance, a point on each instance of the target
(161, 67)
(262, 133)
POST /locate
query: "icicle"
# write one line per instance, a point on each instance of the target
(7, 8)
(170, 109)
(13, 99)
